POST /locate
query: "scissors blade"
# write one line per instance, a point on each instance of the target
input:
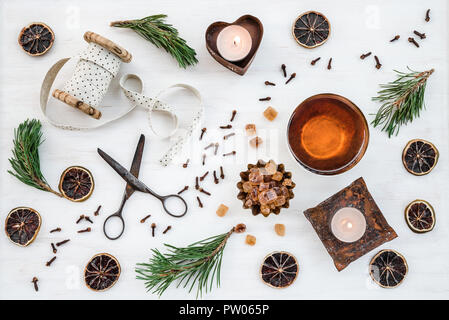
(135, 166)
(125, 174)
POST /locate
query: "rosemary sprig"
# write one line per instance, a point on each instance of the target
(402, 100)
(198, 263)
(162, 35)
(25, 161)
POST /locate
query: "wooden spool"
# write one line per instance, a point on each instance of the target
(120, 52)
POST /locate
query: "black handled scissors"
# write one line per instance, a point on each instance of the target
(134, 184)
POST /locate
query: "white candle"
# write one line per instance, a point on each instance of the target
(348, 224)
(234, 43)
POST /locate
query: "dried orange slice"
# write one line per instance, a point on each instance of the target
(419, 157)
(311, 29)
(420, 216)
(22, 225)
(36, 38)
(101, 272)
(279, 269)
(388, 268)
(76, 183)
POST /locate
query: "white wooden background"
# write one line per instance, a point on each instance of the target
(357, 27)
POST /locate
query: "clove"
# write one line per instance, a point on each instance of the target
(197, 186)
(234, 112)
(183, 189)
(363, 56)
(396, 37)
(209, 146)
(184, 165)
(229, 153)
(199, 202)
(97, 212)
(269, 83)
(221, 172)
(48, 263)
(314, 61)
(54, 248)
(166, 230)
(228, 136)
(204, 159)
(204, 176)
(419, 34)
(85, 230)
(80, 218)
(427, 15)
(145, 218)
(216, 148)
(204, 191)
(329, 65)
(378, 64)
(284, 70)
(153, 226)
(265, 99)
(56, 230)
(292, 76)
(58, 244)
(202, 133)
(412, 40)
(88, 219)
(226, 127)
(215, 178)
(34, 281)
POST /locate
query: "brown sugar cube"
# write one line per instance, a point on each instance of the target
(250, 129)
(250, 240)
(279, 228)
(255, 142)
(270, 113)
(222, 209)
(277, 176)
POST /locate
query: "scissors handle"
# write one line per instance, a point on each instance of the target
(114, 215)
(164, 200)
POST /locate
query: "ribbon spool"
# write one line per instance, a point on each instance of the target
(97, 66)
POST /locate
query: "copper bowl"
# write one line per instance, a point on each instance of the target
(327, 134)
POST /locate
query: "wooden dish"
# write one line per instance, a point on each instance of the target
(327, 134)
(255, 29)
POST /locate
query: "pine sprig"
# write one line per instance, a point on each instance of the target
(402, 100)
(25, 161)
(198, 263)
(162, 35)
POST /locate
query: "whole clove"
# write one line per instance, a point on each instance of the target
(265, 99)
(234, 112)
(378, 64)
(284, 70)
(145, 218)
(85, 230)
(80, 218)
(204, 159)
(199, 202)
(58, 244)
(185, 165)
(197, 185)
(226, 127)
(215, 178)
(269, 83)
(329, 65)
(54, 248)
(209, 146)
(221, 172)
(48, 263)
(204, 191)
(56, 230)
(97, 212)
(419, 34)
(396, 37)
(216, 148)
(153, 227)
(314, 61)
(183, 189)
(412, 40)
(202, 133)
(229, 153)
(204, 176)
(88, 219)
(427, 15)
(363, 56)
(292, 76)
(34, 281)
(166, 230)
(228, 136)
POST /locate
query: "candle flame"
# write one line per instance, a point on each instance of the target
(349, 225)
(236, 41)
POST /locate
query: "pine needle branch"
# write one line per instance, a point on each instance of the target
(162, 35)
(402, 100)
(198, 263)
(25, 161)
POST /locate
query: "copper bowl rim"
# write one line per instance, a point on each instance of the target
(363, 146)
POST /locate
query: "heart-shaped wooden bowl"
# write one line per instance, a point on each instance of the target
(255, 29)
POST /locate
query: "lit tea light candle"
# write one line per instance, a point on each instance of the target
(348, 224)
(234, 43)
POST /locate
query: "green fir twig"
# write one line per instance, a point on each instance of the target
(25, 161)
(198, 263)
(402, 100)
(162, 35)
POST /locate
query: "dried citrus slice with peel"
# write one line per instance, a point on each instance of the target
(419, 157)
(279, 269)
(311, 29)
(22, 225)
(101, 272)
(36, 38)
(420, 216)
(76, 183)
(388, 268)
